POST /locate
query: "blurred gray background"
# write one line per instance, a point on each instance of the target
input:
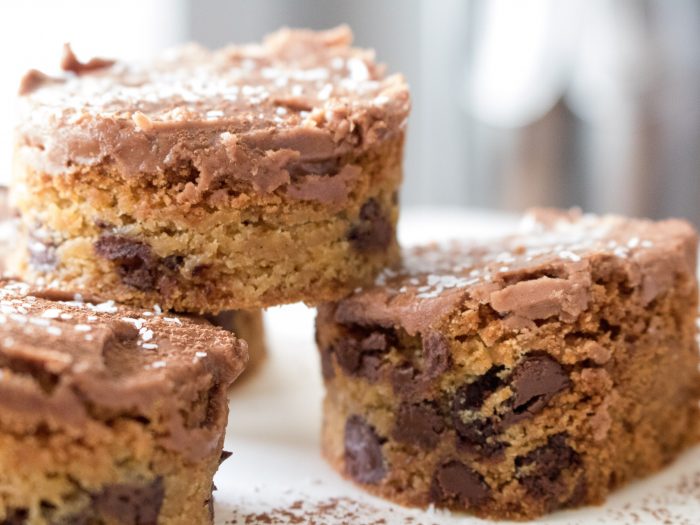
(591, 103)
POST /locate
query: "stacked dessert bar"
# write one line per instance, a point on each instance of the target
(521, 375)
(163, 204)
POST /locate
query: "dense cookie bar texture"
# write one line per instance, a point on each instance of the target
(207, 181)
(519, 376)
(109, 415)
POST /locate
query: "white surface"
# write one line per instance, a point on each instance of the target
(276, 468)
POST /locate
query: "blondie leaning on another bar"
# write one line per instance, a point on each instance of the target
(109, 415)
(207, 181)
(515, 377)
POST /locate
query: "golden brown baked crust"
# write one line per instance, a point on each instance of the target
(109, 414)
(205, 181)
(516, 377)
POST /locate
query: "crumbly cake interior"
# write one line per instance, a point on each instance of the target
(109, 415)
(508, 416)
(130, 240)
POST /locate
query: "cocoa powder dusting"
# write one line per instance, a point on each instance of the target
(325, 511)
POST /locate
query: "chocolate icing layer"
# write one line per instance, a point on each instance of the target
(65, 361)
(543, 272)
(263, 115)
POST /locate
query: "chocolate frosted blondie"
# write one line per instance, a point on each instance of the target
(109, 415)
(515, 377)
(205, 181)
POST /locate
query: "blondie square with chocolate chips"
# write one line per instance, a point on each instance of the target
(512, 378)
(109, 415)
(206, 181)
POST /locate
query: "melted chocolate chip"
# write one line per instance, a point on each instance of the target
(477, 433)
(418, 424)
(16, 517)
(137, 265)
(131, 504)
(436, 355)
(135, 261)
(371, 366)
(479, 436)
(358, 357)
(455, 484)
(42, 254)
(348, 355)
(364, 461)
(409, 380)
(375, 341)
(374, 231)
(535, 381)
(472, 396)
(403, 380)
(544, 465)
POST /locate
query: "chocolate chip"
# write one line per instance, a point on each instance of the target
(436, 355)
(455, 484)
(16, 517)
(479, 436)
(375, 341)
(418, 424)
(374, 231)
(348, 354)
(535, 381)
(370, 366)
(409, 380)
(364, 461)
(477, 433)
(135, 261)
(544, 465)
(42, 254)
(131, 504)
(403, 380)
(361, 358)
(472, 395)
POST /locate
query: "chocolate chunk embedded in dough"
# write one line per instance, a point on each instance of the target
(455, 483)
(535, 381)
(545, 465)
(373, 231)
(364, 461)
(131, 504)
(418, 424)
